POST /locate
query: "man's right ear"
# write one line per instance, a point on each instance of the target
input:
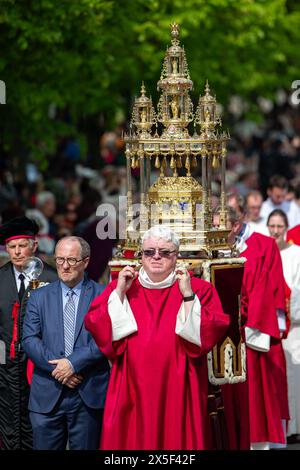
(237, 227)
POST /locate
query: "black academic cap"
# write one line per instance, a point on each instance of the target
(19, 227)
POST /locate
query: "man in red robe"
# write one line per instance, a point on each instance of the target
(263, 306)
(156, 326)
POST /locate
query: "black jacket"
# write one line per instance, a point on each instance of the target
(15, 429)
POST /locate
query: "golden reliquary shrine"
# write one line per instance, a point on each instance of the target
(179, 141)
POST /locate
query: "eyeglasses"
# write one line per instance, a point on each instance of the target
(150, 252)
(71, 261)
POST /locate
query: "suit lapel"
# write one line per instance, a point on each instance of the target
(57, 312)
(83, 305)
(9, 282)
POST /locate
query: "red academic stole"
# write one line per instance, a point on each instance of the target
(29, 372)
(12, 351)
(15, 314)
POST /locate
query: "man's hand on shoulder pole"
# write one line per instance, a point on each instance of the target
(125, 280)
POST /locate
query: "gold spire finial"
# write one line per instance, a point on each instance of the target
(174, 32)
(207, 89)
(143, 89)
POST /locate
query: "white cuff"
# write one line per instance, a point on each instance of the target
(281, 320)
(189, 328)
(257, 340)
(73, 370)
(295, 305)
(122, 319)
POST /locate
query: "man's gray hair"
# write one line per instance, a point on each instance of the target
(31, 242)
(43, 197)
(85, 247)
(240, 202)
(161, 231)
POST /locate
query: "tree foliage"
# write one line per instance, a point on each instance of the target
(88, 57)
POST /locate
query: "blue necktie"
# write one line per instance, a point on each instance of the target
(69, 323)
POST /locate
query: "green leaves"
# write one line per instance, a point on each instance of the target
(90, 56)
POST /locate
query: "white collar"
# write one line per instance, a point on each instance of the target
(240, 243)
(17, 274)
(145, 280)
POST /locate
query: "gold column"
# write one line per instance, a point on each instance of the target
(223, 211)
(204, 180)
(129, 213)
(209, 204)
(128, 171)
(148, 172)
(143, 211)
(141, 157)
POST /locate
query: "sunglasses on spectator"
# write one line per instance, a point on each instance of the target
(150, 252)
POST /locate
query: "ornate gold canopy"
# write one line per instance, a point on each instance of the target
(162, 139)
(182, 144)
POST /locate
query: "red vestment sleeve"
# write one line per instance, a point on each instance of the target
(258, 301)
(277, 277)
(214, 322)
(293, 235)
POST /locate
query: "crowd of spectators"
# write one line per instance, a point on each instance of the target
(64, 198)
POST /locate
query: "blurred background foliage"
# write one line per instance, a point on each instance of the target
(72, 68)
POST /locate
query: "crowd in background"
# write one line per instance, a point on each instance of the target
(64, 198)
(263, 168)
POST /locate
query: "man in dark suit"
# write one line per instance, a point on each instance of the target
(70, 373)
(18, 236)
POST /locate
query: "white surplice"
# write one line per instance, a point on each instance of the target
(291, 270)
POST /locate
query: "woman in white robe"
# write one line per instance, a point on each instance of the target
(290, 255)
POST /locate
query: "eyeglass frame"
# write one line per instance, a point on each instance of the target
(67, 260)
(159, 251)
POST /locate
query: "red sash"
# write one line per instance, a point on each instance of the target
(30, 369)
(14, 314)
(12, 352)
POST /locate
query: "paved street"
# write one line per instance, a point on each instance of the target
(294, 446)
